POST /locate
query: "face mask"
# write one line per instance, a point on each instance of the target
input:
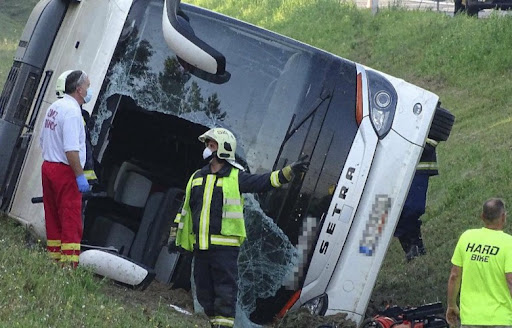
(207, 153)
(88, 96)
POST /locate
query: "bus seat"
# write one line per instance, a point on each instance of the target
(165, 265)
(146, 223)
(106, 232)
(131, 191)
(131, 186)
(159, 213)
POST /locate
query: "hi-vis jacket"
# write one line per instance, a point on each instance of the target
(428, 161)
(212, 214)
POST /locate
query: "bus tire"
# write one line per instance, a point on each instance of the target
(441, 125)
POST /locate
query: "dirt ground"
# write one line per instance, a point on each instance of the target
(157, 295)
(304, 319)
(153, 297)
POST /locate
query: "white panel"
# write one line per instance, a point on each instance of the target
(373, 225)
(353, 179)
(382, 172)
(112, 266)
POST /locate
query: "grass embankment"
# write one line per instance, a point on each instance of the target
(464, 60)
(13, 15)
(35, 292)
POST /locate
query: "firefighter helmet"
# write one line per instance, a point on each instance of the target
(226, 142)
(60, 86)
(225, 139)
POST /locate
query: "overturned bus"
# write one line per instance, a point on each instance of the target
(164, 73)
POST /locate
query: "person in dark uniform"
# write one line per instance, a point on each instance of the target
(211, 222)
(459, 7)
(408, 229)
(89, 168)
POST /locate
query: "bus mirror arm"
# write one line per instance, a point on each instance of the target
(195, 55)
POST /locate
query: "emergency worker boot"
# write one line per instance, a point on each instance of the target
(411, 247)
(412, 253)
(405, 243)
(421, 246)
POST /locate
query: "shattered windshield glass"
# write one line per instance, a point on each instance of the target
(269, 81)
(266, 258)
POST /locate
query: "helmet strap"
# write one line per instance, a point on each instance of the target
(211, 157)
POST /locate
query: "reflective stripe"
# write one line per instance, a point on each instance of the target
(53, 243)
(233, 224)
(184, 236)
(274, 179)
(287, 172)
(225, 240)
(197, 182)
(427, 166)
(204, 220)
(220, 182)
(232, 201)
(90, 175)
(70, 247)
(223, 321)
(233, 215)
(54, 255)
(69, 258)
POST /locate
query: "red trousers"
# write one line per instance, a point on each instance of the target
(63, 212)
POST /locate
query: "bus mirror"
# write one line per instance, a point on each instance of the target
(196, 56)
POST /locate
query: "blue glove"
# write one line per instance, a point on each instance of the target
(82, 183)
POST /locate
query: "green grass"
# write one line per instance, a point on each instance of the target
(465, 61)
(13, 15)
(36, 292)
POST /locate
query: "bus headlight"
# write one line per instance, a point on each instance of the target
(382, 102)
(317, 305)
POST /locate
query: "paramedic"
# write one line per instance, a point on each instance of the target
(408, 228)
(89, 172)
(63, 149)
(482, 271)
(211, 222)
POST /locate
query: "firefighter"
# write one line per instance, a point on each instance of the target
(211, 222)
(63, 148)
(408, 229)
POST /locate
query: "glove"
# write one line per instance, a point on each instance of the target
(300, 166)
(82, 183)
(297, 167)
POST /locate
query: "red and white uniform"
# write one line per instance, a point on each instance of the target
(62, 131)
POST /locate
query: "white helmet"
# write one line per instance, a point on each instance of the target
(226, 144)
(60, 86)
